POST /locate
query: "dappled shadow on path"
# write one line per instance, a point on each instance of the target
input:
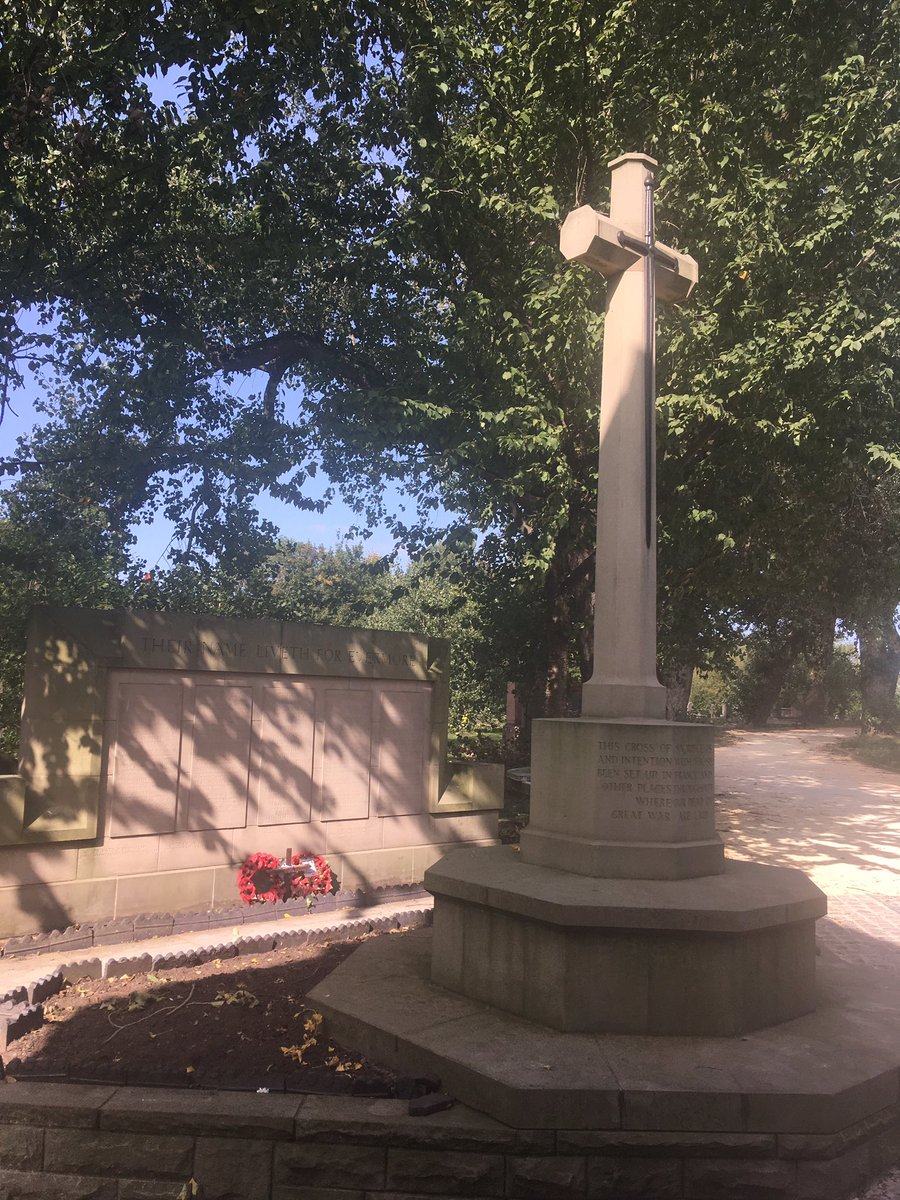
(786, 799)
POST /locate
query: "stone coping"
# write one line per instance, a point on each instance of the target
(746, 896)
(371, 1122)
(107, 1143)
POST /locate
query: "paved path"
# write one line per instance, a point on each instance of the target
(784, 797)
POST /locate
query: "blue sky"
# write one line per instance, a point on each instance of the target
(154, 538)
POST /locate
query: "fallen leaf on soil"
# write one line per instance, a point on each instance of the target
(241, 995)
(240, 1039)
(141, 1000)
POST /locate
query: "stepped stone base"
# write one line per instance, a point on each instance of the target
(715, 956)
(811, 1082)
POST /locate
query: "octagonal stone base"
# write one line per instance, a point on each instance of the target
(814, 1077)
(716, 956)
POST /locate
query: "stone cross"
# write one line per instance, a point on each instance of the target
(623, 248)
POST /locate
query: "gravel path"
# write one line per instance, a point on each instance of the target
(785, 797)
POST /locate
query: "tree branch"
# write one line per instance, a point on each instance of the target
(288, 349)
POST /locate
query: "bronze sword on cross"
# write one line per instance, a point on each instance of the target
(655, 254)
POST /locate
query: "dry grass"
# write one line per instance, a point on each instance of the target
(873, 749)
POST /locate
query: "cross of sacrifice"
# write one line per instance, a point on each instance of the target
(623, 248)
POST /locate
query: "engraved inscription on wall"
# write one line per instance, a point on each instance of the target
(272, 652)
(662, 789)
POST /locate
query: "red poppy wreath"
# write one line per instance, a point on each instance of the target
(263, 878)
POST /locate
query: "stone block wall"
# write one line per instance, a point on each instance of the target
(84, 1142)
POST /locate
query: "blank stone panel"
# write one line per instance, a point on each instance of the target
(143, 770)
(216, 762)
(284, 753)
(346, 753)
(403, 731)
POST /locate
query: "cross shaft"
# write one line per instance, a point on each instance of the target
(623, 248)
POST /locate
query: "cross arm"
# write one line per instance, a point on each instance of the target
(592, 238)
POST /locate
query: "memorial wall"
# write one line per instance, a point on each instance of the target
(158, 750)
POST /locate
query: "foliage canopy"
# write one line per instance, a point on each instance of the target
(362, 201)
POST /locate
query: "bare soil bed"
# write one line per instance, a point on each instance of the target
(234, 1023)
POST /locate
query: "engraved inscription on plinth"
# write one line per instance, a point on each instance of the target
(661, 790)
(623, 799)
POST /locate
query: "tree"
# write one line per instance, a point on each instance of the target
(447, 591)
(338, 586)
(879, 658)
(454, 591)
(54, 550)
(363, 201)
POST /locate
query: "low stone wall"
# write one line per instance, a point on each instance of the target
(82, 1142)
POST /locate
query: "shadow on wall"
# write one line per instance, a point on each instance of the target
(153, 771)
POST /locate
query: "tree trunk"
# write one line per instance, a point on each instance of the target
(770, 667)
(879, 667)
(556, 687)
(584, 608)
(559, 625)
(678, 682)
(814, 707)
(566, 595)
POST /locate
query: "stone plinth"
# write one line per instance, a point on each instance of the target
(623, 799)
(713, 957)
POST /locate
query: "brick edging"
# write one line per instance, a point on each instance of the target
(117, 930)
(21, 1008)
